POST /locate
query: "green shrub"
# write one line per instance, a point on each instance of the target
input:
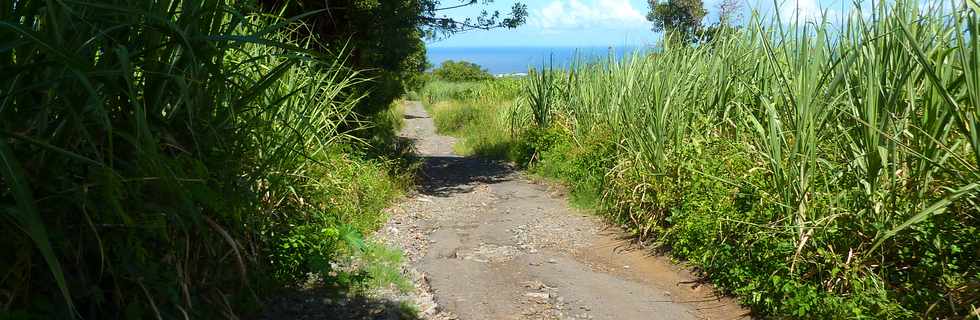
(461, 71)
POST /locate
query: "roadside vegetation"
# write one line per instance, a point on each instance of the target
(476, 111)
(460, 71)
(814, 170)
(177, 159)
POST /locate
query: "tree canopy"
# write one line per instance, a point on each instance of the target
(678, 19)
(683, 20)
(385, 37)
(451, 70)
(437, 24)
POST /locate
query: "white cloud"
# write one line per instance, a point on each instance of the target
(806, 10)
(580, 14)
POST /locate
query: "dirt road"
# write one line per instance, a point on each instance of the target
(485, 242)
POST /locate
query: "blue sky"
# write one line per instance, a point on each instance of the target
(600, 23)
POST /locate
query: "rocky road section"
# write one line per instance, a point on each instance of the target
(482, 241)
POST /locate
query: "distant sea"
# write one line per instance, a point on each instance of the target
(509, 60)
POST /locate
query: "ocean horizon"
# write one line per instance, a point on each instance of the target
(511, 60)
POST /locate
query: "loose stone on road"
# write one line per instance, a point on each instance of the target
(484, 242)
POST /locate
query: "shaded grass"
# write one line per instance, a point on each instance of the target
(182, 157)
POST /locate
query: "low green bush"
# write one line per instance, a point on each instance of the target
(458, 71)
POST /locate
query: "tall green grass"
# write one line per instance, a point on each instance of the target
(469, 110)
(172, 159)
(814, 169)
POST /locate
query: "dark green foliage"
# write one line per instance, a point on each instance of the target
(172, 159)
(683, 21)
(460, 71)
(531, 143)
(679, 19)
(385, 38)
(582, 166)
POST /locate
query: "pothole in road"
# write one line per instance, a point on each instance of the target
(490, 253)
(553, 233)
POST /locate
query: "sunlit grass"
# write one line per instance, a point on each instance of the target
(815, 170)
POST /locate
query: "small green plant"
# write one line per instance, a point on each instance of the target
(383, 267)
